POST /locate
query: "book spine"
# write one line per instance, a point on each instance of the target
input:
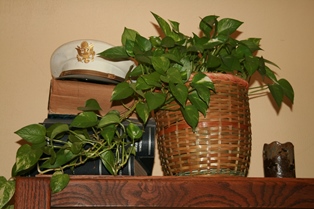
(144, 158)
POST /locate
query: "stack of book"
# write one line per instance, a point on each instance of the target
(67, 95)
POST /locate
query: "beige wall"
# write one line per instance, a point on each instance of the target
(30, 30)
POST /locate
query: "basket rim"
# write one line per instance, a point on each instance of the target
(226, 77)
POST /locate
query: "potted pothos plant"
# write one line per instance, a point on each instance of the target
(176, 79)
(171, 68)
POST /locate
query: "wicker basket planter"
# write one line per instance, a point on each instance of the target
(221, 144)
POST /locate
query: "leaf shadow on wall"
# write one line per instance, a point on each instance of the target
(258, 80)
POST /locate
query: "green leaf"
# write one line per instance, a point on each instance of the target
(270, 74)
(160, 64)
(203, 92)
(39, 145)
(116, 53)
(129, 48)
(34, 133)
(108, 133)
(128, 34)
(131, 150)
(9, 207)
(251, 64)
(180, 92)
(213, 61)
(75, 148)
(63, 156)
(287, 89)
(199, 42)
(138, 92)
(7, 189)
(141, 84)
(262, 67)
(142, 43)
(154, 100)
(175, 26)
(137, 71)
(84, 120)
(202, 79)
(121, 91)
(53, 156)
(115, 112)
(214, 42)
(271, 63)
(228, 26)
(207, 24)
(26, 157)
(277, 92)
(90, 105)
(134, 132)
(57, 129)
(186, 69)
(165, 27)
(172, 57)
(47, 150)
(174, 75)
(142, 111)
(78, 136)
(155, 40)
(164, 79)
(190, 115)
(51, 128)
(108, 119)
(108, 160)
(167, 42)
(143, 59)
(152, 79)
(58, 182)
(230, 63)
(252, 44)
(198, 102)
(195, 48)
(241, 51)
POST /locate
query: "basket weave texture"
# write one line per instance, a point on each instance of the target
(221, 144)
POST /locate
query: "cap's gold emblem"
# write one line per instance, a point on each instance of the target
(85, 52)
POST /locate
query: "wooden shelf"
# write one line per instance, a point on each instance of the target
(166, 192)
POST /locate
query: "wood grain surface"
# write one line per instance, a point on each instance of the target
(168, 192)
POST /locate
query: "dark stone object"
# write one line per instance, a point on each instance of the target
(279, 160)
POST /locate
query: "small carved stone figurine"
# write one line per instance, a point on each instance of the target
(279, 160)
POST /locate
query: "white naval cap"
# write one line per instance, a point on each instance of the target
(79, 60)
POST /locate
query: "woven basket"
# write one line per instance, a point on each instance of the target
(221, 144)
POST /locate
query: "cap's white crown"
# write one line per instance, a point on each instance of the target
(82, 55)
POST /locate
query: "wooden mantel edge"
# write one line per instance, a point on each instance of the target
(173, 178)
(167, 192)
(192, 192)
